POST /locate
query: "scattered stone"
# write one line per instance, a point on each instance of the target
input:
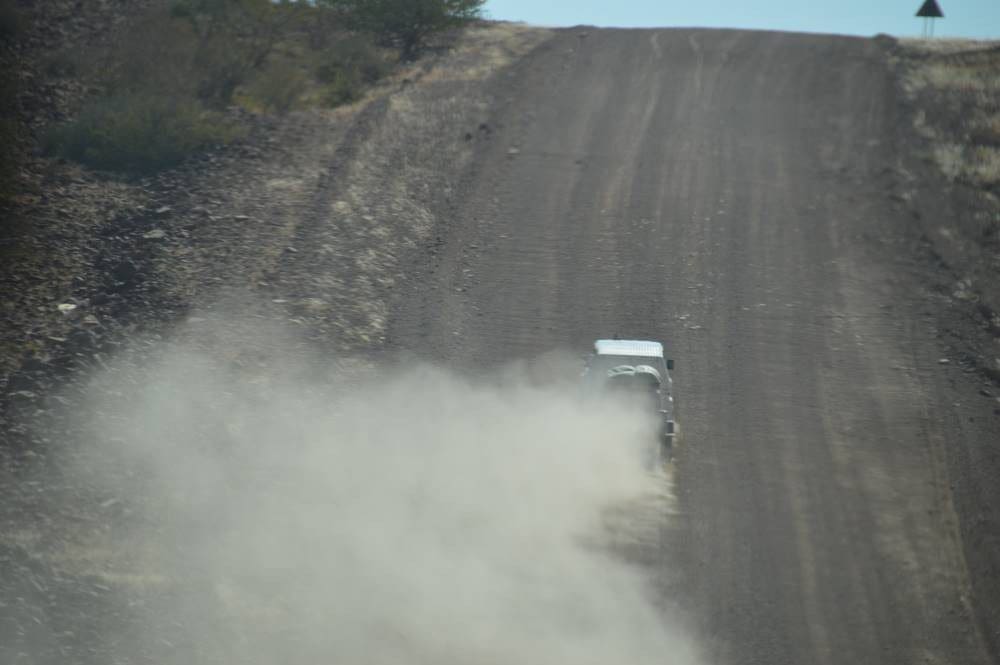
(66, 307)
(155, 234)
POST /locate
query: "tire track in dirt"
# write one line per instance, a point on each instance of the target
(716, 190)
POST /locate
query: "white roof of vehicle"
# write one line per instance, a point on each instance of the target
(628, 347)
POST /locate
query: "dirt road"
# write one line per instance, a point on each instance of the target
(724, 191)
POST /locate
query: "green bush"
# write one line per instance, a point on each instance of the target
(341, 89)
(138, 133)
(406, 24)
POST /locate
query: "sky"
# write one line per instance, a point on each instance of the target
(963, 18)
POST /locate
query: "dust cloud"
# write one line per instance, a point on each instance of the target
(271, 511)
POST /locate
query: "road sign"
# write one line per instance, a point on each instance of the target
(929, 11)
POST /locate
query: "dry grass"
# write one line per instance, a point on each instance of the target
(983, 165)
(944, 46)
(968, 79)
(976, 164)
(956, 87)
(483, 50)
(950, 158)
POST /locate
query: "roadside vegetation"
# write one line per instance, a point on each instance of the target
(405, 24)
(953, 90)
(965, 130)
(169, 87)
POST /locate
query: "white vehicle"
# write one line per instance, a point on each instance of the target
(639, 368)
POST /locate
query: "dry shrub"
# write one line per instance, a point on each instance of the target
(960, 77)
(950, 158)
(984, 165)
(356, 56)
(348, 66)
(160, 81)
(279, 87)
(986, 131)
(235, 39)
(138, 133)
(340, 90)
(157, 53)
(978, 165)
(191, 51)
(319, 26)
(406, 24)
(183, 59)
(964, 80)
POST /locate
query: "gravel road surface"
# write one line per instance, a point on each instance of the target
(724, 192)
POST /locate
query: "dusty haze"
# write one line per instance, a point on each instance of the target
(269, 510)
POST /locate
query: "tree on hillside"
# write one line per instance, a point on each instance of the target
(406, 24)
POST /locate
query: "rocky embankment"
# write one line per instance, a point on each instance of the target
(307, 222)
(309, 217)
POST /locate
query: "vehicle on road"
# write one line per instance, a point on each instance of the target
(638, 370)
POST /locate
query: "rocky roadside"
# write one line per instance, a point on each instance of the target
(950, 253)
(948, 117)
(307, 224)
(309, 217)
